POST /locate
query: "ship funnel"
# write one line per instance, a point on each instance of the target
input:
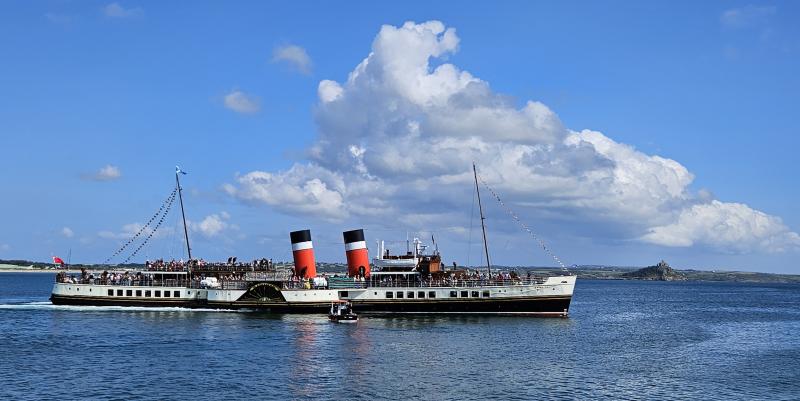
(357, 254)
(303, 252)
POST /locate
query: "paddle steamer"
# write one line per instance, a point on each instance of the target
(415, 282)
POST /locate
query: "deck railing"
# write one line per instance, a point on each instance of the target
(344, 283)
(131, 282)
(329, 283)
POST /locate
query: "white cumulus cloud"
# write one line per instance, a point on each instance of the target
(57, 18)
(304, 189)
(747, 16)
(729, 226)
(115, 10)
(128, 231)
(398, 136)
(67, 232)
(240, 102)
(108, 172)
(293, 55)
(212, 225)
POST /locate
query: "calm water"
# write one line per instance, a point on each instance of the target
(624, 340)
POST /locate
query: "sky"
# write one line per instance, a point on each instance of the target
(619, 133)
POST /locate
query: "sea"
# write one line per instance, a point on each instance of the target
(629, 340)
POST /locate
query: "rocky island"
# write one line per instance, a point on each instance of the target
(660, 272)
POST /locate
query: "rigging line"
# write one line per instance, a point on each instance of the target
(161, 220)
(174, 238)
(169, 244)
(169, 199)
(524, 226)
(471, 219)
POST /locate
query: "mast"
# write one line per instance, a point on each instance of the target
(183, 214)
(483, 226)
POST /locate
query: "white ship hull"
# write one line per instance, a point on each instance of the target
(550, 297)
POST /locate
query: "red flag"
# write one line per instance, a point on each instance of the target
(57, 260)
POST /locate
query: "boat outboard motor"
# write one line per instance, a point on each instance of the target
(303, 253)
(357, 254)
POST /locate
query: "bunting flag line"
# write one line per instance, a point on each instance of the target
(160, 221)
(167, 203)
(523, 225)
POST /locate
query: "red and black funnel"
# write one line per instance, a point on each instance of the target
(357, 254)
(303, 252)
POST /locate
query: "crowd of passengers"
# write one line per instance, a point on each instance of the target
(138, 279)
(232, 264)
(462, 278)
(473, 279)
(105, 278)
(468, 279)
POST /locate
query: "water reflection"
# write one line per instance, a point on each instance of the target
(623, 340)
(305, 353)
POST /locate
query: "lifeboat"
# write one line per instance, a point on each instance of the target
(342, 312)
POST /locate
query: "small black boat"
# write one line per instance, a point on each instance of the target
(342, 312)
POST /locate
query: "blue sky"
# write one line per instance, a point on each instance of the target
(102, 99)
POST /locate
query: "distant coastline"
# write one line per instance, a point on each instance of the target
(590, 272)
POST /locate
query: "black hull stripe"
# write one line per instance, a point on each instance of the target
(543, 306)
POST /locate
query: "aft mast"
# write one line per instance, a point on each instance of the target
(183, 214)
(483, 226)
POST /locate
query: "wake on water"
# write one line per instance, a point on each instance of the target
(47, 305)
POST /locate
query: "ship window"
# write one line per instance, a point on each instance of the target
(389, 294)
(129, 293)
(486, 294)
(138, 293)
(410, 294)
(420, 294)
(147, 293)
(464, 294)
(344, 294)
(177, 294)
(399, 294)
(431, 294)
(166, 294)
(475, 294)
(158, 293)
(453, 294)
(119, 293)
(110, 292)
